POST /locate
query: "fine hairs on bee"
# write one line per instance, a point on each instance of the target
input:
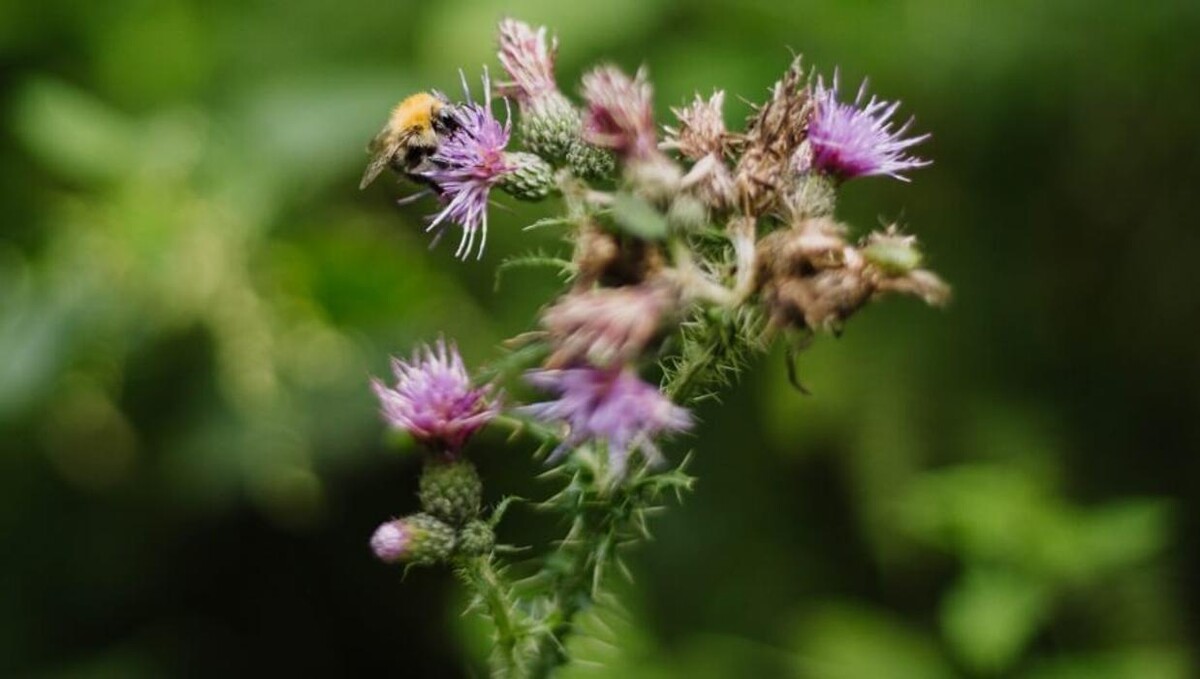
(409, 137)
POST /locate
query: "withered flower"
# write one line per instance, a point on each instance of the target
(773, 135)
(701, 136)
(606, 326)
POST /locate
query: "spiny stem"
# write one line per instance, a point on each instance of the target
(478, 574)
(572, 592)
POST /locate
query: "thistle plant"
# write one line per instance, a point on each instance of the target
(693, 248)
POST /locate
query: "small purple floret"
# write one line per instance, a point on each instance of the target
(390, 541)
(433, 399)
(858, 140)
(467, 164)
(615, 406)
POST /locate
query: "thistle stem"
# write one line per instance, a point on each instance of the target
(479, 575)
(574, 578)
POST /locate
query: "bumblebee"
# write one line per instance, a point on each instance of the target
(410, 136)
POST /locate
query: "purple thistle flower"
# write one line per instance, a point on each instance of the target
(529, 60)
(857, 140)
(467, 164)
(433, 399)
(390, 541)
(613, 405)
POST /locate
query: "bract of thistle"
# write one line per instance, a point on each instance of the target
(858, 139)
(612, 406)
(467, 164)
(434, 400)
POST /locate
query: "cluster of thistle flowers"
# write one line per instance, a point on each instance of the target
(644, 214)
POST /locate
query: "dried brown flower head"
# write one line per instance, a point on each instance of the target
(701, 131)
(604, 258)
(773, 134)
(810, 278)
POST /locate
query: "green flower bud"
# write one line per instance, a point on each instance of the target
(892, 253)
(476, 538)
(550, 128)
(450, 491)
(532, 178)
(419, 539)
(590, 162)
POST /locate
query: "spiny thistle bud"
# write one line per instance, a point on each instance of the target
(590, 162)
(606, 326)
(549, 123)
(552, 129)
(531, 178)
(476, 538)
(892, 253)
(450, 491)
(419, 539)
(893, 262)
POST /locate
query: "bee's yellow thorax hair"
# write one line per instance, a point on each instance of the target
(416, 111)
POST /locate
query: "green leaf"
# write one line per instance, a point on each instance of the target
(73, 133)
(842, 641)
(1128, 663)
(637, 217)
(990, 615)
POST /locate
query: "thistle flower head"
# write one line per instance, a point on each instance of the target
(528, 58)
(620, 113)
(467, 164)
(605, 326)
(614, 406)
(773, 133)
(419, 539)
(701, 130)
(390, 541)
(433, 399)
(859, 139)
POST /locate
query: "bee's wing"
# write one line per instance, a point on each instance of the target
(381, 154)
(382, 148)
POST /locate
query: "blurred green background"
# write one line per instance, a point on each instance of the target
(193, 294)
